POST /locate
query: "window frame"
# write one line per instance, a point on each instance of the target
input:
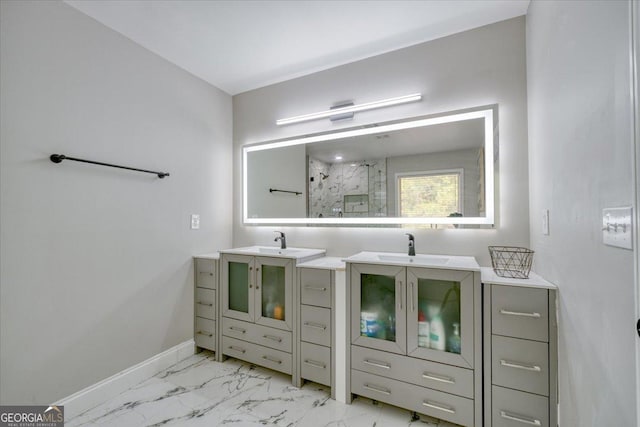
(456, 171)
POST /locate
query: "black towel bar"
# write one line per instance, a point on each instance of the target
(58, 158)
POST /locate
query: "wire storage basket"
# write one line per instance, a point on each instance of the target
(511, 261)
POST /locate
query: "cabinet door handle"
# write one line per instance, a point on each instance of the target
(438, 406)
(272, 338)
(208, 304)
(401, 293)
(413, 302)
(519, 313)
(207, 334)
(271, 359)
(510, 364)
(235, 328)
(377, 389)
(434, 377)
(315, 364)
(314, 288)
(241, 350)
(315, 325)
(520, 419)
(377, 364)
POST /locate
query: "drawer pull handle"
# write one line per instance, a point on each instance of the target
(509, 364)
(241, 350)
(273, 338)
(315, 364)
(208, 304)
(377, 389)
(314, 288)
(520, 419)
(439, 407)
(206, 334)
(271, 359)
(235, 328)
(430, 376)
(315, 325)
(205, 272)
(520, 314)
(377, 364)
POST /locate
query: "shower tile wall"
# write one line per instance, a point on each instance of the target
(332, 181)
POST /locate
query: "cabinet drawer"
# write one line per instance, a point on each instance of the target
(512, 408)
(315, 325)
(315, 287)
(257, 354)
(206, 303)
(445, 406)
(258, 334)
(447, 378)
(520, 364)
(205, 333)
(205, 273)
(520, 312)
(315, 363)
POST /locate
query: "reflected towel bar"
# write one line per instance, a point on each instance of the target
(272, 190)
(58, 158)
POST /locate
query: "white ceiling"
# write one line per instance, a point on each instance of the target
(242, 45)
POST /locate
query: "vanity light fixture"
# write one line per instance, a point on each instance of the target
(338, 157)
(351, 109)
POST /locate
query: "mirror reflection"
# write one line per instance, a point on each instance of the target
(431, 170)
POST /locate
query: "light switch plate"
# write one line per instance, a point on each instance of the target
(195, 221)
(616, 227)
(545, 222)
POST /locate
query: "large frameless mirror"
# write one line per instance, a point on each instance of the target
(435, 169)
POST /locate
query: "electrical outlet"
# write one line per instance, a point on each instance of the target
(616, 227)
(195, 221)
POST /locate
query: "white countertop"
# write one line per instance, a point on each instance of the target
(489, 276)
(419, 260)
(276, 252)
(325, 263)
(212, 255)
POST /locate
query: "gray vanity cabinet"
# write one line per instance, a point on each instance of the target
(416, 339)
(206, 302)
(257, 310)
(317, 329)
(520, 352)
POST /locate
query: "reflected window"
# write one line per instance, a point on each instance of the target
(430, 194)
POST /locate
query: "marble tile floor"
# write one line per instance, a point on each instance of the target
(199, 391)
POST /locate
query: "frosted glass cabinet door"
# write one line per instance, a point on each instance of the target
(378, 297)
(237, 287)
(274, 289)
(440, 315)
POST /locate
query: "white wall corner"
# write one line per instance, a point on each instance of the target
(95, 394)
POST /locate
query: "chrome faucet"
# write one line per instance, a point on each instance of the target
(282, 238)
(412, 245)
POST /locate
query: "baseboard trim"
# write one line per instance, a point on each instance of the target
(108, 388)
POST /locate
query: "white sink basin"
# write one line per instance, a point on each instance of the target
(275, 251)
(451, 262)
(416, 259)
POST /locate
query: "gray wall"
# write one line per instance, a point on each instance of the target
(96, 269)
(580, 158)
(475, 68)
(283, 168)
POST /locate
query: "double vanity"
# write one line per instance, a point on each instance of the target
(437, 335)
